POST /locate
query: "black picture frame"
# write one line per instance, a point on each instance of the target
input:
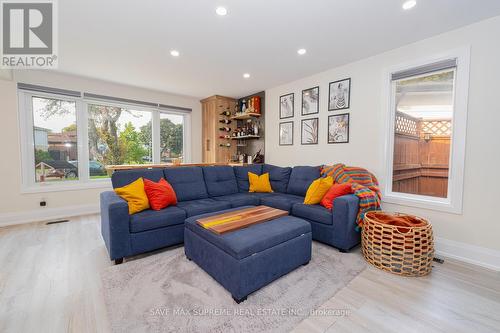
(279, 134)
(348, 126)
(317, 101)
(293, 106)
(312, 134)
(348, 105)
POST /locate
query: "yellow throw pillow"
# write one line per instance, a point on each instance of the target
(259, 184)
(317, 190)
(135, 196)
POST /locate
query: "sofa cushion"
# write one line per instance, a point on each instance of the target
(240, 199)
(301, 178)
(241, 173)
(281, 200)
(202, 206)
(247, 241)
(154, 219)
(121, 178)
(220, 180)
(315, 213)
(188, 182)
(278, 176)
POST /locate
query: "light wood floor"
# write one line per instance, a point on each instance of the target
(49, 282)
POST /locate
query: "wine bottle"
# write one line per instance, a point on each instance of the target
(225, 129)
(224, 144)
(225, 136)
(225, 113)
(225, 121)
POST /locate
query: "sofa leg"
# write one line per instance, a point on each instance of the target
(343, 251)
(118, 261)
(239, 300)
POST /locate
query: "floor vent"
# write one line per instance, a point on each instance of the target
(56, 222)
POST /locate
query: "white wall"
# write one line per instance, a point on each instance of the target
(479, 225)
(17, 207)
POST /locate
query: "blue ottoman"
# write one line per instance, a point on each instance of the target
(246, 260)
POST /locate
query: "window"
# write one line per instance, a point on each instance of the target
(68, 140)
(55, 139)
(117, 136)
(171, 137)
(426, 142)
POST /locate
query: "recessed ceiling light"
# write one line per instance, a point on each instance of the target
(221, 11)
(246, 75)
(301, 51)
(174, 53)
(409, 4)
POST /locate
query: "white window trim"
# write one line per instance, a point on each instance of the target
(28, 184)
(452, 204)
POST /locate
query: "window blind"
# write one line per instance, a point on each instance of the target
(429, 68)
(49, 90)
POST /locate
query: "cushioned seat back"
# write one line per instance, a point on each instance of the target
(220, 180)
(188, 182)
(124, 177)
(278, 177)
(241, 173)
(301, 178)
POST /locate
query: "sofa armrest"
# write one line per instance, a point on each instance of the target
(345, 212)
(115, 228)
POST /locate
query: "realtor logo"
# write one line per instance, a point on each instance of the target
(29, 34)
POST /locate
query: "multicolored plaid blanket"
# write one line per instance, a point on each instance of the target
(364, 186)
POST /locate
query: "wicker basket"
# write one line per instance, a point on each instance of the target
(398, 243)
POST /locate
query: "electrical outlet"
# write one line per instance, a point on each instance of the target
(43, 203)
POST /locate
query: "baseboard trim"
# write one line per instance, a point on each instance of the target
(472, 254)
(45, 214)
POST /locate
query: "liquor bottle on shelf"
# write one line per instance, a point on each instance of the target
(225, 129)
(224, 144)
(225, 136)
(225, 113)
(243, 106)
(225, 121)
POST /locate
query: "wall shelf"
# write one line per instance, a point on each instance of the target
(245, 137)
(246, 116)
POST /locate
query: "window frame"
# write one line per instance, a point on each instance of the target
(26, 123)
(454, 201)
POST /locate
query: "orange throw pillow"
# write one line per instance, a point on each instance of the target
(337, 190)
(160, 194)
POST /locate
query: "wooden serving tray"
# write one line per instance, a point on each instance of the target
(239, 219)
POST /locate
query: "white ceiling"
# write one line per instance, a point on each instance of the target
(128, 41)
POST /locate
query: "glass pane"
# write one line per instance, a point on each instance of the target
(171, 138)
(55, 139)
(117, 136)
(422, 138)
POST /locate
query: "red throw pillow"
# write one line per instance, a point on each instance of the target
(160, 194)
(337, 190)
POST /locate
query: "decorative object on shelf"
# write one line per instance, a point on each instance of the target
(338, 128)
(256, 104)
(286, 133)
(339, 95)
(310, 101)
(309, 131)
(258, 157)
(243, 106)
(286, 106)
(398, 243)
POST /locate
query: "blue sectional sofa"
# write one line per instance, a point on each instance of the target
(207, 189)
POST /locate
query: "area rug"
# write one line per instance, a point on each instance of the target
(167, 293)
